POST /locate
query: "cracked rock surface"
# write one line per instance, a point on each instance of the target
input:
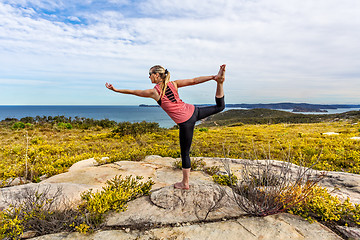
(281, 226)
(205, 201)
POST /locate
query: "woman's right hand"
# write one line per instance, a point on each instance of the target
(110, 86)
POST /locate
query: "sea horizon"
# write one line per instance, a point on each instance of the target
(117, 113)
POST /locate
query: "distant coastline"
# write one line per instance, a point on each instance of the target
(296, 107)
(145, 105)
(287, 106)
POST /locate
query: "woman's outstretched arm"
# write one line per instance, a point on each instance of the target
(149, 93)
(193, 81)
(197, 80)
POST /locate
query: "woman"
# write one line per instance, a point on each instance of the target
(185, 115)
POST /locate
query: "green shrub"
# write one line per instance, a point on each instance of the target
(44, 214)
(115, 195)
(39, 212)
(18, 125)
(62, 125)
(177, 164)
(196, 164)
(224, 179)
(212, 170)
(27, 120)
(321, 205)
(203, 129)
(11, 226)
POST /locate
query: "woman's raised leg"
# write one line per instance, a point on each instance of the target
(219, 97)
(220, 78)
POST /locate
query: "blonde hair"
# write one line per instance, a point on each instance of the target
(164, 75)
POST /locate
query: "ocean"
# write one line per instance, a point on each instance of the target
(115, 113)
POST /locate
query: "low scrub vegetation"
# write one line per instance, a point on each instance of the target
(45, 212)
(236, 117)
(267, 187)
(37, 148)
(322, 206)
(30, 154)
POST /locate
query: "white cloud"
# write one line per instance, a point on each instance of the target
(43, 4)
(74, 19)
(292, 46)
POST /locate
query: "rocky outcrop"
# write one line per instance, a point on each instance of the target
(280, 227)
(206, 211)
(169, 206)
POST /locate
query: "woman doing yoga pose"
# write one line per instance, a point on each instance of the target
(184, 115)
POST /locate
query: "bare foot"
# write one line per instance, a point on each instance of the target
(220, 78)
(180, 185)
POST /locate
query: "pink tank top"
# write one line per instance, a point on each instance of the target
(172, 104)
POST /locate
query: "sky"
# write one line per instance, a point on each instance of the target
(63, 52)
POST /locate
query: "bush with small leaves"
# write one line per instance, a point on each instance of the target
(321, 205)
(196, 164)
(212, 170)
(265, 188)
(224, 179)
(45, 212)
(116, 194)
(18, 125)
(177, 164)
(38, 211)
(62, 125)
(204, 129)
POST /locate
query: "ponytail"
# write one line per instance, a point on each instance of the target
(165, 82)
(164, 75)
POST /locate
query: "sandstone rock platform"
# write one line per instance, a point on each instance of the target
(206, 211)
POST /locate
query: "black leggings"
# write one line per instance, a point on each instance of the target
(186, 129)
